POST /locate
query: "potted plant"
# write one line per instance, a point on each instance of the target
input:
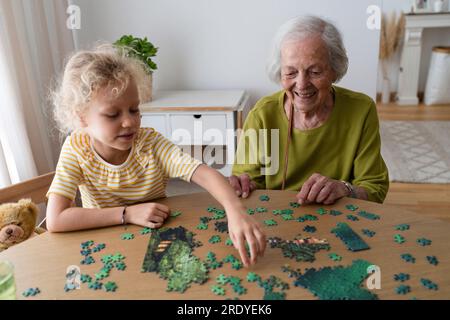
(391, 34)
(141, 49)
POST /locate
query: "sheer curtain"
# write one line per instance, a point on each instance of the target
(34, 41)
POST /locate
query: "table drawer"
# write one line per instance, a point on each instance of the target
(191, 128)
(156, 121)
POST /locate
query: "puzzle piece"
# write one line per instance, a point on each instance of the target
(335, 257)
(253, 277)
(121, 266)
(175, 214)
(277, 212)
(102, 274)
(250, 211)
(219, 214)
(86, 252)
(321, 211)
(264, 197)
(351, 239)
(95, 285)
(234, 280)
(229, 242)
(31, 292)
(218, 290)
(240, 290)
(99, 247)
(215, 239)
(202, 226)
(408, 257)
(287, 217)
(368, 215)
(229, 259)
(403, 289)
(351, 207)
(291, 272)
(127, 236)
(117, 257)
(402, 227)
(85, 278)
(294, 204)
(261, 209)
(222, 279)
(110, 286)
(88, 260)
(399, 238)
(236, 265)
(273, 283)
(307, 217)
(423, 242)
(107, 258)
(352, 217)
(145, 230)
(368, 232)
(335, 213)
(432, 260)
(221, 226)
(310, 229)
(87, 244)
(205, 220)
(401, 277)
(429, 284)
(270, 223)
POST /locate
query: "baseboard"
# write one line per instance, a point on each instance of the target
(393, 96)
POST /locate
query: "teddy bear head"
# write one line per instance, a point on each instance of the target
(17, 222)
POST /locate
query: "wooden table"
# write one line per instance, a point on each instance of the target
(42, 261)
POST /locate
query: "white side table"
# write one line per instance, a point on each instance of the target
(199, 118)
(408, 81)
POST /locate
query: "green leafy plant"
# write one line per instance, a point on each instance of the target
(139, 48)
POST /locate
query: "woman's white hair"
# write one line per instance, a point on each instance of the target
(301, 27)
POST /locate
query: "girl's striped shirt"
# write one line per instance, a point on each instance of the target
(153, 159)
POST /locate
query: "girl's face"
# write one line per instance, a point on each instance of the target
(113, 123)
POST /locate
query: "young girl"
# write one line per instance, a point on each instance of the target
(118, 166)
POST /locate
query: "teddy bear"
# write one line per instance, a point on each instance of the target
(17, 222)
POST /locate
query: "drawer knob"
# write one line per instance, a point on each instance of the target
(197, 116)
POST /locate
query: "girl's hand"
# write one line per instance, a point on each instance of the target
(242, 185)
(321, 189)
(244, 229)
(151, 215)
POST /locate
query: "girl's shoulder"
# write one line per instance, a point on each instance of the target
(77, 142)
(147, 136)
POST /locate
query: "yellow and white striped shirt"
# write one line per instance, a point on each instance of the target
(142, 177)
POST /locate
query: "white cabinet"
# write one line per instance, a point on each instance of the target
(408, 81)
(199, 118)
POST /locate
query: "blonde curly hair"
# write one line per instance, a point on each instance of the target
(105, 66)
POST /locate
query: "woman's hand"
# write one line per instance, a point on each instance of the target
(151, 215)
(321, 189)
(242, 185)
(244, 229)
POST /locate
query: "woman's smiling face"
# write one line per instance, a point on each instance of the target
(306, 72)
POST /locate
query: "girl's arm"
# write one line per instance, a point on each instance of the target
(242, 227)
(61, 216)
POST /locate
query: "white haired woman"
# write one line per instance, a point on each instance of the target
(329, 141)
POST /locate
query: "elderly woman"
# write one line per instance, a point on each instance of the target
(329, 141)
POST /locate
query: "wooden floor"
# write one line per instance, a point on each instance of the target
(432, 200)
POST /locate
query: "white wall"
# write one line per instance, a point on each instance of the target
(431, 37)
(215, 44)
